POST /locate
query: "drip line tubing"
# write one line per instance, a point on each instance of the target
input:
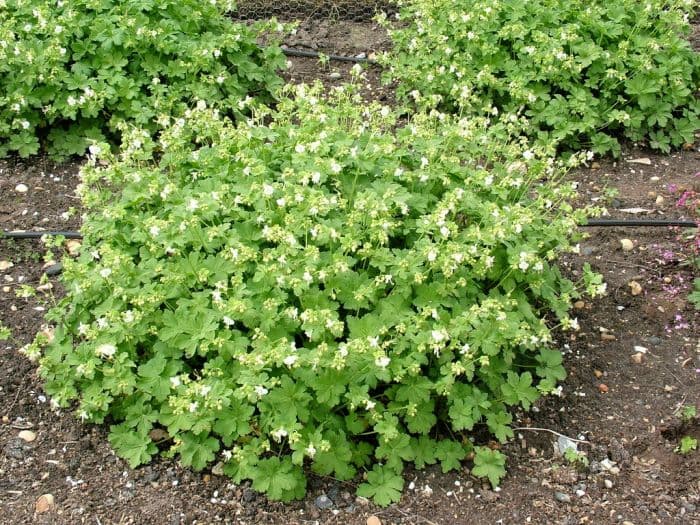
(592, 223)
(315, 54)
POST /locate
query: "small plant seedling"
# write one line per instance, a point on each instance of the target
(5, 332)
(687, 445)
(576, 458)
(687, 413)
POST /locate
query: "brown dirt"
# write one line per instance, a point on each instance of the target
(630, 427)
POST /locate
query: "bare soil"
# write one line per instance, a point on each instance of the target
(623, 407)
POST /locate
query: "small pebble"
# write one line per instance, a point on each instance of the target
(598, 373)
(73, 247)
(27, 436)
(323, 502)
(5, 265)
(579, 305)
(335, 75)
(580, 493)
(626, 244)
(562, 497)
(637, 359)
(635, 287)
(374, 520)
(603, 388)
(660, 199)
(608, 484)
(44, 503)
(54, 269)
(21, 188)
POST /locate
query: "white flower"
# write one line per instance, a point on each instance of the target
(193, 406)
(175, 381)
(71, 101)
(205, 390)
(201, 105)
(308, 277)
(268, 190)
(369, 405)
(154, 231)
(382, 362)
(228, 321)
(373, 341)
(261, 390)
(192, 205)
(290, 359)
(439, 335)
(465, 349)
(445, 231)
(528, 154)
(432, 255)
(25, 124)
(105, 272)
(310, 450)
(300, 148)
(106, 350)
(335, 167)
(279, 434)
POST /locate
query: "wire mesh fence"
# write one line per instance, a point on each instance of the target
(357, 10)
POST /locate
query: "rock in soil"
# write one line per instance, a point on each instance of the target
(27, 436)
(44, 503)
(323, 502)
(562, 497)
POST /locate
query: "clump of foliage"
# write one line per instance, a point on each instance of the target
(584, 73)
(687, 414)
(316, 287)
(75, 72)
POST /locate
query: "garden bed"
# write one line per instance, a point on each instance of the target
(621, 404)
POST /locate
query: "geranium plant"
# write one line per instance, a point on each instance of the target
(317, 286)
(75, 72)
(586, 74)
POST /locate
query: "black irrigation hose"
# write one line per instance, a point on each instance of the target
(590, 224)
(315, 54)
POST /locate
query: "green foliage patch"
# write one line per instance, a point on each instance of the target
(75, 72)
(316, 287)
(584, 73)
